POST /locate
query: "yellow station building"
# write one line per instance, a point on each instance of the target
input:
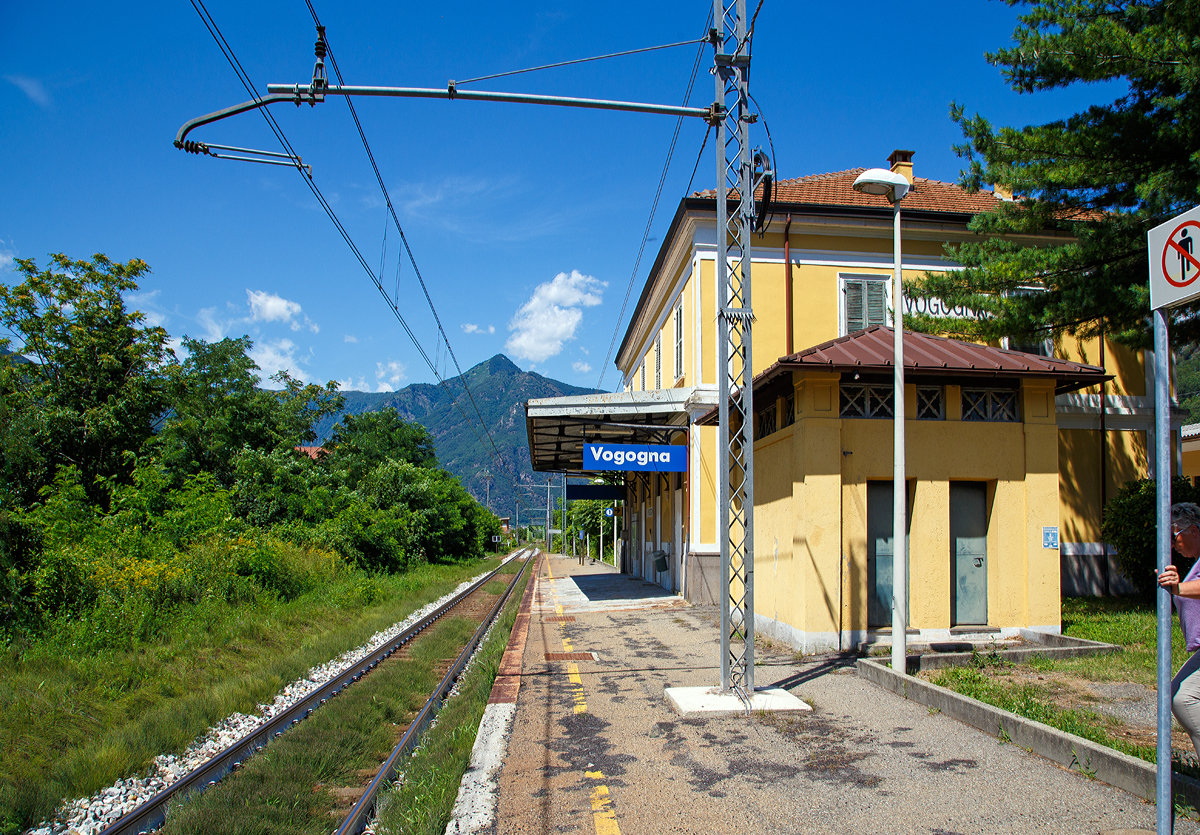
(1012, 450)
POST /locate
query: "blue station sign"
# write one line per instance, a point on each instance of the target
(655, 458)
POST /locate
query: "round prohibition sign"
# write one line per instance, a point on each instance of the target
(1180, 265)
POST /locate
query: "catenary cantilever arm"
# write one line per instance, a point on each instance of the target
(299, 93)
(227, 112)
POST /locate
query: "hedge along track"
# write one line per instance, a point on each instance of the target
(151, 814)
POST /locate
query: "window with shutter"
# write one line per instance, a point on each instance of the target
(866, 303)
(679, 340)
(658, 361)
(854, 306)
(643, 376)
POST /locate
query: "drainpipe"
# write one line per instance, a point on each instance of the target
(787, 287)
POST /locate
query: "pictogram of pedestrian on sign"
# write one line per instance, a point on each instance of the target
(1173, 248)
(1180, 264)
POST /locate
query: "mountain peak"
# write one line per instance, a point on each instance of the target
(500, 364)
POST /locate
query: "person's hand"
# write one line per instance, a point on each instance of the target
(1168, 578)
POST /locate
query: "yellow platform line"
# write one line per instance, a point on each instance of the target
(603, 814)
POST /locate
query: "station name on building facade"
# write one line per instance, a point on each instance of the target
(658, 458)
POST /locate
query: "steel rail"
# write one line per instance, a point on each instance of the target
(151, 814)
(360, 815)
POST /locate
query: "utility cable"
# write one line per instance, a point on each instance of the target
(580, 61)
(653, 210)
(404, 241)
(227, 51)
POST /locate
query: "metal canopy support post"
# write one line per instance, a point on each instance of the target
(1162, 477)
(736, 370)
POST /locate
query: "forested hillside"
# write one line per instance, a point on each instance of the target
(500, 389)
(133, 484)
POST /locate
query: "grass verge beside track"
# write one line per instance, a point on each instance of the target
(72, 723)
(305, 781)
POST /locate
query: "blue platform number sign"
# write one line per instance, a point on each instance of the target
(1050, 537)
(655, 458)
(608, 511)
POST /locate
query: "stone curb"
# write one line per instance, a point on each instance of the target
(1049, 646)
(1068, 750)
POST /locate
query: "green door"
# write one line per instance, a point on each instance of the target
(879, 554)
(968, 553)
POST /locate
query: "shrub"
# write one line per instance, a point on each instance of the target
(1130, 524)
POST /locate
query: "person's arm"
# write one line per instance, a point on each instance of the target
(1168, 578)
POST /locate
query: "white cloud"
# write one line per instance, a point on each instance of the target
(154, 319)
(349, 338)
(388, 376)
(552, 315)
(581, 367)
(275, 356)
(31, 87)
(214, 329)
(268, 307)
(6, 257)
(469, 328)
(349, 384)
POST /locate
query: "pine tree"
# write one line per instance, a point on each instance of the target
(1101, 178)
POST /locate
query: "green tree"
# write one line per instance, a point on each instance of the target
(218, 410)
(98, 383)
(1131, 524)
(1100, 178)
(360, 443)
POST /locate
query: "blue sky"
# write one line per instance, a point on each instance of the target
(525, 221)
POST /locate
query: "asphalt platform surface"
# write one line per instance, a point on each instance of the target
(594, 747)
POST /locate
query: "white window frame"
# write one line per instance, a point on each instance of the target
(679, 339)
(658, 361)
(886, 278)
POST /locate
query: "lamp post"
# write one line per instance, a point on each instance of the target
(894, 187)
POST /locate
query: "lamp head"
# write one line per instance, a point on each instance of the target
(882, 182)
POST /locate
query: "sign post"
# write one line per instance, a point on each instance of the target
(1174, 268)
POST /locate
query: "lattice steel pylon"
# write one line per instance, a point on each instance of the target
(735, 179)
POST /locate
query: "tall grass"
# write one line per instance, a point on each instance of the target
(289, 788)
(96, 698)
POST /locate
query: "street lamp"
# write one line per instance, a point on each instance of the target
(894, 187)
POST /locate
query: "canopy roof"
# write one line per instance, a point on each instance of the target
(558, 427)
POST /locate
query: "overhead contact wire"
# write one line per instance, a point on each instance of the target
(496, 457)
(653, 211)
(581, 61)
(244, 78)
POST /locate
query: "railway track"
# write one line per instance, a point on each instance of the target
(151, 814)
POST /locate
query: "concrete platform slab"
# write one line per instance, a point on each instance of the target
(595, 748)
(711, 702)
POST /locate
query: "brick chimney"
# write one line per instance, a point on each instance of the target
(902, 164)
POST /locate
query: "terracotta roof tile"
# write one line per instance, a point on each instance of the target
(837, 189)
